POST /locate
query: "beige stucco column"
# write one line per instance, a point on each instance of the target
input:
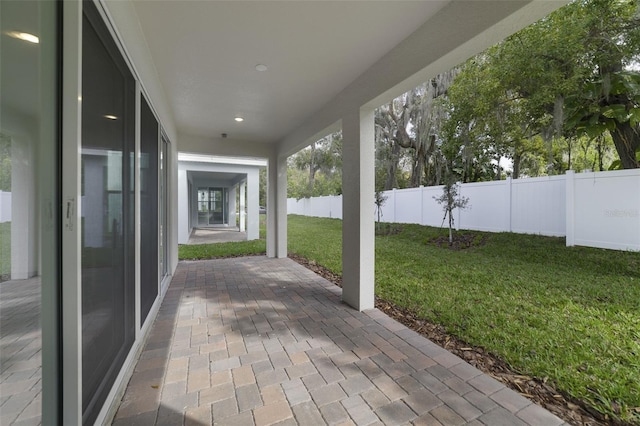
(358, 186)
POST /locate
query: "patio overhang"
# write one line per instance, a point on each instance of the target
(325, 69)
(181, 72)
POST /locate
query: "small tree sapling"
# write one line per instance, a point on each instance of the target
(450, 200)
(379, 201)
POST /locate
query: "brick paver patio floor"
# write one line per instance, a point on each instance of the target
(257, 341)
(20, 352)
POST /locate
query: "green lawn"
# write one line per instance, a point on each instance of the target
(571, 315)
(5, 250)
(208, 251)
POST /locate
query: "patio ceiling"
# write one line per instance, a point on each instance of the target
(206, 54)
(320, 55)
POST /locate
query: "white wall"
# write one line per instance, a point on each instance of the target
(591, 209)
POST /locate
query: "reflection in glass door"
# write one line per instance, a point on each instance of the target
(30, 226)
(203, 206)
(108, 135)
(216, 206)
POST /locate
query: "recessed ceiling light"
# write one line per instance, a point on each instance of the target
(111, 117)
(239, 119)
(261, 67)
(23, 36)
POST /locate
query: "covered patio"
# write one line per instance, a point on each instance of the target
(101, 99)
(263, 341)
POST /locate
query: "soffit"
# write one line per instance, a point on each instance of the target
(216, 176)
(205, 53)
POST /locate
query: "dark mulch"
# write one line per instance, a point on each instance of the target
(386, 229)
(460, 241)
(226, 256)
(537, 390)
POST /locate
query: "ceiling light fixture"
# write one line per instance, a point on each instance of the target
(261, 67)
(23, 36)
(111, 117)
(239, 119)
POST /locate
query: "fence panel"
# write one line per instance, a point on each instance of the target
(408, 207)
(538, 206)
(432, 212)
(606, 209)
(592, 209)
(328, 206)
(388, 208)
(488, 207)
(5, 207)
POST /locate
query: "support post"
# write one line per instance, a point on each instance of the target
(358, 188)
(232, 205)
(570, 208)
(277, 206)
(509, 205)
(253, 199)
(243, 213)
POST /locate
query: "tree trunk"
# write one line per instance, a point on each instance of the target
(627, 142)
(392, 167)
(517, 158)
(312, 168)
(599, 147)
(417, 171)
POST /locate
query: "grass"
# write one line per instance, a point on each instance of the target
(5, 250)
(236, 248)
(209, 251)
(571, 315)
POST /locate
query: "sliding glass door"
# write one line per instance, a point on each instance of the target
(164, 206)
(149, 241)
(108, 270)
(212, 206)
(29, 212)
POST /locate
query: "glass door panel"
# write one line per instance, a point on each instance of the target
(163, 206)
(108, 134)
(216, 209)
(203, 206)
(149, 240)
(29, 205)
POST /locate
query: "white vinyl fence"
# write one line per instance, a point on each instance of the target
(591, 209)
(604, 210)
(5, 207)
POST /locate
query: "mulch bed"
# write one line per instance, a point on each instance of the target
(460, 241)
(386, 229)
(537, 390)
